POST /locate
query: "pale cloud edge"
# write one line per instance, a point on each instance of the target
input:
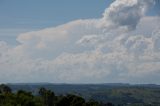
(122, 46)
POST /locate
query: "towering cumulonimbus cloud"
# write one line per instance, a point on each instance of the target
(127, 12)
(122, 46)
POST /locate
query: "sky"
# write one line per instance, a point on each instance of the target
(80, 41)
(19, 16)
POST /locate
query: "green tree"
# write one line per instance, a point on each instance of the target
(5, 89)
(24, 98)
(92, 103)
(48, 97)
(63, 101)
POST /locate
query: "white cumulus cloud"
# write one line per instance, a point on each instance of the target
(122, 46)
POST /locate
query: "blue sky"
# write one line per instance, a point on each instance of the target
(19, 16)
(80, 41)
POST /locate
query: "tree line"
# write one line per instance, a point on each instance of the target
(45, 97)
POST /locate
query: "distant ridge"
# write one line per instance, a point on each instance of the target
(114, 84)
(118, 93)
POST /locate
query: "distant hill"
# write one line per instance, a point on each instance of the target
(117, 93)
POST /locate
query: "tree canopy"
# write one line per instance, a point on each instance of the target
(44, 98)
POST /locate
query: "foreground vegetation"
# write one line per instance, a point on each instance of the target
(44, 98)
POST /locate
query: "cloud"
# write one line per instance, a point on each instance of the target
(54, 41)
(122, 46)
(127, 12)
